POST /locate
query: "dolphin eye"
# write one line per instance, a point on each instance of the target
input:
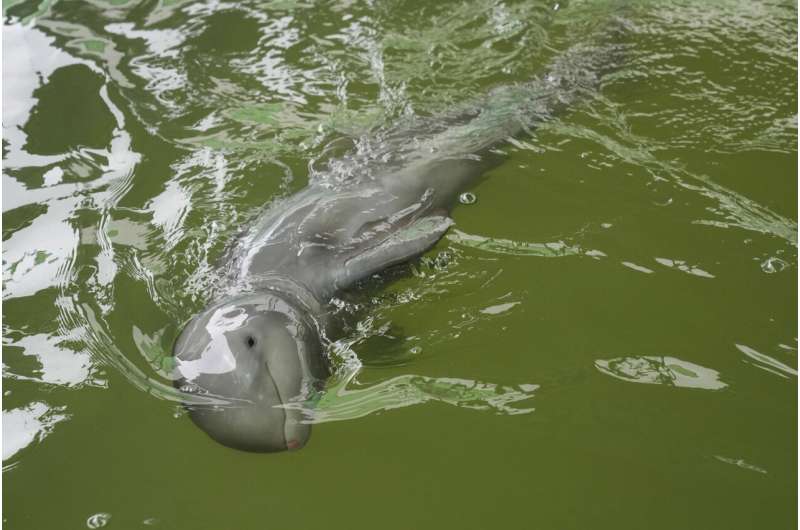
(251, 341)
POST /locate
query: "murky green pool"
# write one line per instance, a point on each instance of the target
(606, 339)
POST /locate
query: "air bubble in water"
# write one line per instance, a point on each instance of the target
(98, 520)
(467, 198)
(773, 265)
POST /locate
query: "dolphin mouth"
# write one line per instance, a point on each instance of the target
(290, 444)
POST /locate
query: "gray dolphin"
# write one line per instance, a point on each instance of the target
(263, 346)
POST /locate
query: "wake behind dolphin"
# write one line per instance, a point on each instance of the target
(263, 346)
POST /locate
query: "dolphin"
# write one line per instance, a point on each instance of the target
(262, 346)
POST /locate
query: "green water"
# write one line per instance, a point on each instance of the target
(606, 339)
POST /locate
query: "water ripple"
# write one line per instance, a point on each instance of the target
(344, 399)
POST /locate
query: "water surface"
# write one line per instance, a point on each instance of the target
(606, 339)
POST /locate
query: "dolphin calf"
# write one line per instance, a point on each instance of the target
(263, 345)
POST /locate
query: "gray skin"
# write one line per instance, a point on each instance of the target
(262, 347)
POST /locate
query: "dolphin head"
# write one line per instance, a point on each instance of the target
(255, 353)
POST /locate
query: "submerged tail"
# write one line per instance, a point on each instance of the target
(573, 76)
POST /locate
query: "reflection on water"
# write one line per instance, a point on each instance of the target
(667, 371)
(58, 365)
(25, 425)
(738, 462)
(344, 399)
(639, 268)
(515, 248)
(499, 308)
(765, 362)
(683, 267)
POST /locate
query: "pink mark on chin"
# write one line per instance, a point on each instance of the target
(292, 445)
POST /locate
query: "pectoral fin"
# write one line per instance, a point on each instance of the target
(404, 244)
